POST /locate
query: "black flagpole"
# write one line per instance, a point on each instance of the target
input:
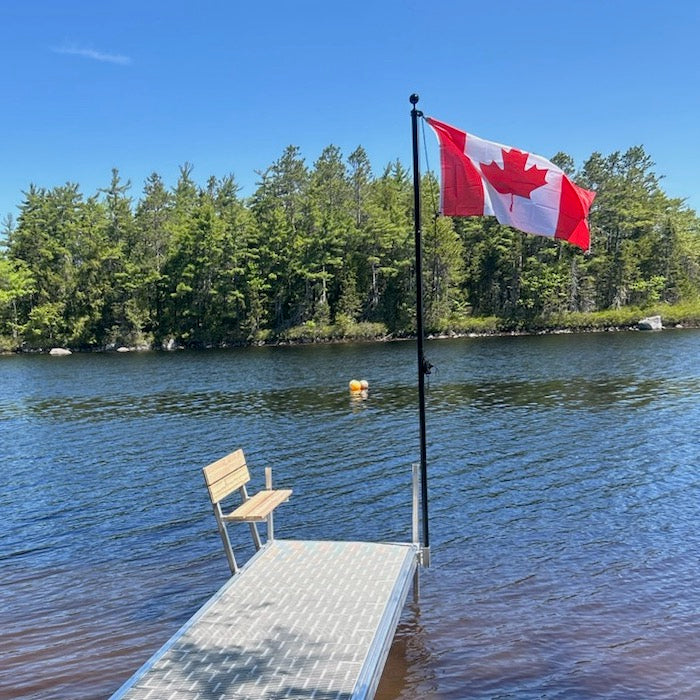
(423, 364)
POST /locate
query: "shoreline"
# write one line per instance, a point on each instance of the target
(292, 342)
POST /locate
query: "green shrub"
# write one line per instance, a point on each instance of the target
(343, 329)
(464, 324)
(686, 313)
(7, 343)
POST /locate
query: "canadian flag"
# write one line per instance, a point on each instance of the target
(528, 192)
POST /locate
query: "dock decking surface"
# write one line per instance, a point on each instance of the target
(301, 620)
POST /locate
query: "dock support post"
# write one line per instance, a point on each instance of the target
(415, 469)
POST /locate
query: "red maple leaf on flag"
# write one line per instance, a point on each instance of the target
(513, 178)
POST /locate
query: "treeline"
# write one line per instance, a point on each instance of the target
(323, 247)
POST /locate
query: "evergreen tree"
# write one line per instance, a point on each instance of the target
(278, 205)
(153, 222)
(43, 241)
(388, 245)
(122, 318)
(443, 263)
(329, 252)
(360, 180)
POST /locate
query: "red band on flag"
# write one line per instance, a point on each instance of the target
(522, 190)
(462, 192)
(574, 204)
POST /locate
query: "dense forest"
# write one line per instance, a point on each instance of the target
(324, 251)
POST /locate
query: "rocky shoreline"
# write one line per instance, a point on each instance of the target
(649, 323)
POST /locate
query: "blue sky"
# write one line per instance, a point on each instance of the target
(146, 86)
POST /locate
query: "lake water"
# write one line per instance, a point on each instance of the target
(564, 502)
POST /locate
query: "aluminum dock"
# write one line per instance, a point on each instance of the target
(302, 619)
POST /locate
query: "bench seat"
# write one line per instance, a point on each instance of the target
(259, 506)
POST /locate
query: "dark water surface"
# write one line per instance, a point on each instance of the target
(564, 475)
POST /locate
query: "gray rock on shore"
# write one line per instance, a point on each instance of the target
(650, 323)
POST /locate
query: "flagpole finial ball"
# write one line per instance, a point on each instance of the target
(414, 98)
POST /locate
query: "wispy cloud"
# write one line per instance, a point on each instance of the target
(92, 54)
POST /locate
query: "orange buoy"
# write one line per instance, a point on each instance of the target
(355, 386)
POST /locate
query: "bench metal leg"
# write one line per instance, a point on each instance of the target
(253, 527)
(270, 528)
(256, 536)
(225, 539)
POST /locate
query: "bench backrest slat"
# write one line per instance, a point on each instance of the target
(226, 475)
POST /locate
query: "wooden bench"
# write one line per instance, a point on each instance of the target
(230, 474)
